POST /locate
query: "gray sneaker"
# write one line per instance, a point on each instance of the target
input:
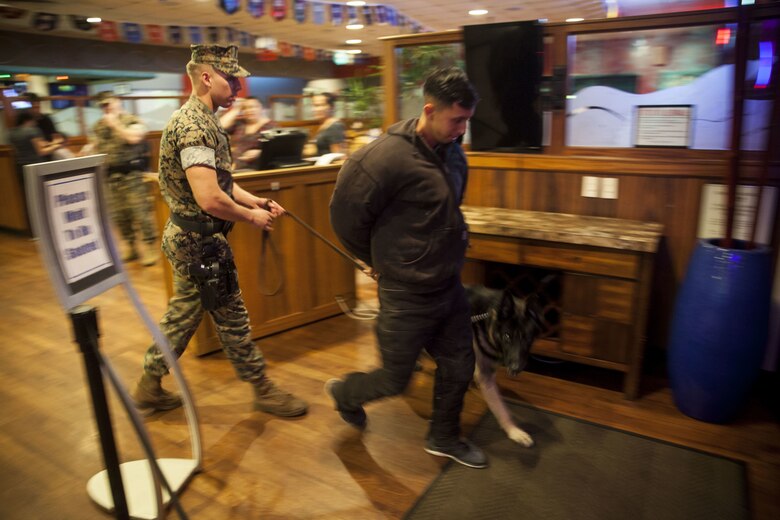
(461, 451)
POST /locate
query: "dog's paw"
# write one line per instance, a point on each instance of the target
(520, 437)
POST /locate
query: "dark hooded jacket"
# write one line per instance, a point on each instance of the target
(396, 207)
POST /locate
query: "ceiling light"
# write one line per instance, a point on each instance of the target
(354, 26)
(94, 19)
(478, 12)
(353, 42)
(356, 3)
(575, 20)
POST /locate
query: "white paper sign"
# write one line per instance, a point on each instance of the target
(712, 216)
(76, 226)
(667, 126)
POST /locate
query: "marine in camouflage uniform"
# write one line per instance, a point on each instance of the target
(194, 138)
(129, 201)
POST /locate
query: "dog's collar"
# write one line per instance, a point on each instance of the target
(479, 317)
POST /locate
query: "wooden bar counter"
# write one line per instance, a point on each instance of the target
(290, 278)
(603, 270)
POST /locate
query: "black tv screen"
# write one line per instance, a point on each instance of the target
(504, 62)
(281, 149)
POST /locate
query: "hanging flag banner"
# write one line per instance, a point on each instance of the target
(381, 14)
(285, 49)
(131, 32)
(229, 6)
(80, 23)
(174, 34)
(309, 54)
(300, 10)
(297, 51)
(245, 39)
(401, 20)
(196, 35)
(231, 35)
(46, 21)
(352, 13)
(155, 34)
(368, 14)
(256, 8)
(108, 31)
(266, 55)
(213, 34)
(391, 16)
(279, 10)
(335, 14)
(318, 13)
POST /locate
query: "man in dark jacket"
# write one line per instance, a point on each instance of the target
(396, 207)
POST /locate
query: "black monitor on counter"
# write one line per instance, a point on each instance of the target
(504, 62)
(282, 148)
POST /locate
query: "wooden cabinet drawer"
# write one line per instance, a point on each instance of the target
(594, 338)
(568, 258)
(606, 298)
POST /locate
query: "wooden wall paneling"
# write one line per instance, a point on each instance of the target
(13, 205)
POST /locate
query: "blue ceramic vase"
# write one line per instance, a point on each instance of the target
(719, 329)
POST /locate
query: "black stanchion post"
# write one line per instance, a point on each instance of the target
(85, 328)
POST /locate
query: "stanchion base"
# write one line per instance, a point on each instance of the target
(139, 485)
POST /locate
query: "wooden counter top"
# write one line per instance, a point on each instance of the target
(629, 235)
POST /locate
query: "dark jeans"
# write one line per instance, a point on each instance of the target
(408, 321)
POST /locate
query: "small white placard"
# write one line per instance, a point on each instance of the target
(712, 215)
(76, 226)
(663, 125)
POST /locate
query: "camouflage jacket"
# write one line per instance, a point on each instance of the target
(192, 137)
(118, 151)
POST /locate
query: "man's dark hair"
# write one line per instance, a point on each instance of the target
(447, 86)
(23, 116)
(330, 98)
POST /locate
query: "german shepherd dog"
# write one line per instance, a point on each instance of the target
(504, 330)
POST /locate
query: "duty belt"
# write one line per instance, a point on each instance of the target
(204, 228)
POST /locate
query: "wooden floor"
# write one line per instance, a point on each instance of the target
(259, 466)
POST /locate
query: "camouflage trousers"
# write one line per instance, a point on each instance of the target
(185, 311)
(129, 205)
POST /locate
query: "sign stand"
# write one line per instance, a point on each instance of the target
(68, 217)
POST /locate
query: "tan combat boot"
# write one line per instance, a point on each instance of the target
(149, 255)
(130, 252)
(271, 399)
(149, 395)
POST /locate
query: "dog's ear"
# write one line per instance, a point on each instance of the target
(506, 308)
(533, 311)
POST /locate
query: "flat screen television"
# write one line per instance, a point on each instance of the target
(504, 62)
(282, 149)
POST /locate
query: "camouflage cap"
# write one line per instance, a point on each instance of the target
(224, 59)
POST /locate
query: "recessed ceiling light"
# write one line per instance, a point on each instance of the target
(356, 3)
(354, 26)
(478, 12)
(575, 19)
(94, 19)
(353, 42)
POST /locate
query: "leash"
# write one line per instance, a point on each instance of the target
(355, 314)
(333, 246)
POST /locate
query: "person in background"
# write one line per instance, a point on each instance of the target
(196, 182)
(330, 135)
(49, 130)
(121, 136)
(396, 207)
(29, 144)
(245, 121)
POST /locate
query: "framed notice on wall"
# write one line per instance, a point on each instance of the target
(67, 212)
(667, 126)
